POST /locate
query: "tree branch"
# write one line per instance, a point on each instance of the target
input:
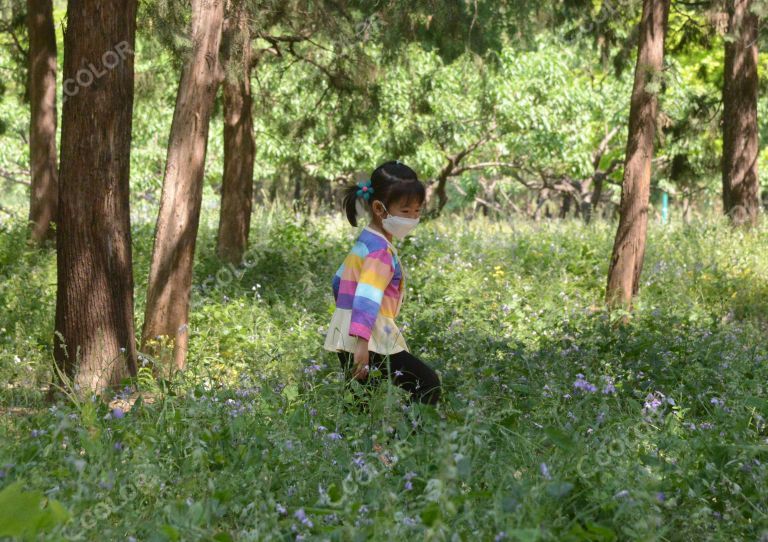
(602, 148)
(9, 176)
(9, 29)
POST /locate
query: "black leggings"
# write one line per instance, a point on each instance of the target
(408, 372)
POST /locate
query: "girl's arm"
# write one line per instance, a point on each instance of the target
(376, 273)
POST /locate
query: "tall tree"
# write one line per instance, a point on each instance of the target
(239, 145)
(170, 276)
(629, 245)
(94, 334)
(42, 125)
(740, 132)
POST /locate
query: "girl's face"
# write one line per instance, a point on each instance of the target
(403, 207)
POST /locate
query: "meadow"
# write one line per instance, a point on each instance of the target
(557, 421)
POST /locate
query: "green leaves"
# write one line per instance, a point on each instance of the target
(560, 438)
(26, 513)
(291, 392)
(559, 490)
(430, 514)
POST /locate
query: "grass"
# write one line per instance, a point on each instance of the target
(556, 424)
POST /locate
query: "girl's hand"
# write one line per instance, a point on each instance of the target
(361, 359)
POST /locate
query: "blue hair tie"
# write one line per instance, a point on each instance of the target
(365, 190)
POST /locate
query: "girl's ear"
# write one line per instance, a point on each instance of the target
(378, 208)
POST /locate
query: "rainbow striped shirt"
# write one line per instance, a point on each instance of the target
(368, 289)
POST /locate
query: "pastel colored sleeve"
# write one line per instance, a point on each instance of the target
(375, 275)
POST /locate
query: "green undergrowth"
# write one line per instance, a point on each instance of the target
(556, 422)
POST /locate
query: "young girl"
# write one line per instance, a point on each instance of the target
(369, 286)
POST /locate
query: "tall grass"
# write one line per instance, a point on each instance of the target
(556, 424)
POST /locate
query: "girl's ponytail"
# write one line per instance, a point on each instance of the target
(350, 203)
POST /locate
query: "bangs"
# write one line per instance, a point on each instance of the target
(409, 191)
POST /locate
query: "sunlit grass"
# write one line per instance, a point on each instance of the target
(556, 423)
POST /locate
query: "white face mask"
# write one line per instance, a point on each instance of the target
(399, 226)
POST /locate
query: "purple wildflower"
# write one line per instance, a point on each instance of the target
(118, 413)
(609, 387)
(302, 517)
(601, 416)
(581, 384)
(334, 436)
(545, 471)
(652, 402)
(358, 459)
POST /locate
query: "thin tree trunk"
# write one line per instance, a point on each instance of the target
(541, 203)
(94, 334)
(687, 209)
(629, 246)
(597, 193)
(42, 125)
(170, 276)
(239, 146)
(740, 134)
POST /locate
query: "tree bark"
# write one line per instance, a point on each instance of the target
(629, 246)
(41, 85)
(740, 133)
(170, 276)
(239, 145)
(94, 334)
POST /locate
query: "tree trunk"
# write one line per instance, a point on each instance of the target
(42, 126)
(170, 275)
(437, 196)
(629, 245)
(94, 298)
(239, 146)
(740, 135)
(541, 203)
(687, 209)
(597, 193)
